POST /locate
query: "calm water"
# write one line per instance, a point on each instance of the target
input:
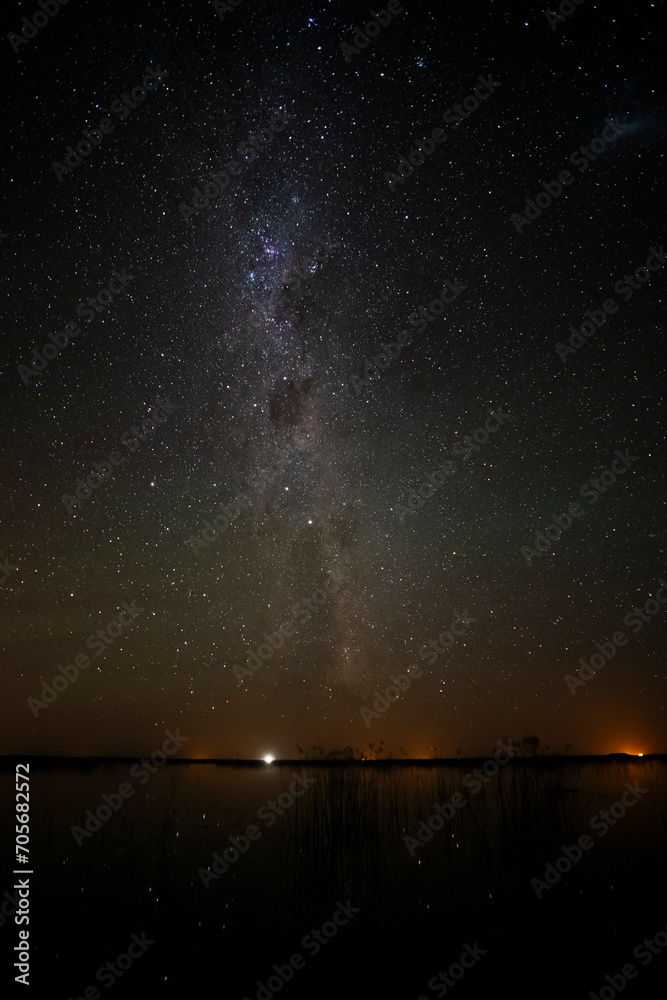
(342, 842)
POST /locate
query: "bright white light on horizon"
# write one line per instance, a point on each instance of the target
(268, 759)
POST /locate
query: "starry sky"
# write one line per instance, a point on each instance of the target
(252, 320)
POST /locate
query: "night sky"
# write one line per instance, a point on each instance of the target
(246, 326)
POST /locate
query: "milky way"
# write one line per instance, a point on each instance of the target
(255, 313)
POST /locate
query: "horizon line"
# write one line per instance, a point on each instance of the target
(260, 761)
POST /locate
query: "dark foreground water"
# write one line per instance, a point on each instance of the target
(329, 891)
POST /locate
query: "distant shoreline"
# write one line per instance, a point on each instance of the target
(9, 760)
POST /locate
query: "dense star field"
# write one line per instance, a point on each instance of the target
(332, 366)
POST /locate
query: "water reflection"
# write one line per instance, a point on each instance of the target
(357, 834)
